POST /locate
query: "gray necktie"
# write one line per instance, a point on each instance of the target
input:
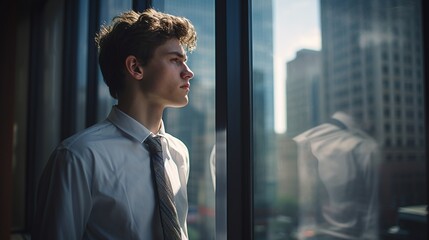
(167, 208)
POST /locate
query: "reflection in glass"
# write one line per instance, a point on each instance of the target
(338, 180)
(263, 117)
(368, 66)
(195, 123)
(363, 42)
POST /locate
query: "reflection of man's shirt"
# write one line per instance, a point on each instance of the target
(213, 166)
(338, 180)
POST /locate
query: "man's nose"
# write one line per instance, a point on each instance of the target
(187, 73)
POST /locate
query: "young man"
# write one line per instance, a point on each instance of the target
(102, 183)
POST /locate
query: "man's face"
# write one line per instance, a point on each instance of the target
(166, 76)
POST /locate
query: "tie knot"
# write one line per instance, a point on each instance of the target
(154, 144)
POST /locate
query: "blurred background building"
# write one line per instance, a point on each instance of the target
(371, 64)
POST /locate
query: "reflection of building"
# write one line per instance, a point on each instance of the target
(284, 222)
(302, 91)
(372, 67)
(264, 161)
(262, 146)
(262, 42)
(287, 172)
(303, 112)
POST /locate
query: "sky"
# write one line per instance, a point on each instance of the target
(296, 26)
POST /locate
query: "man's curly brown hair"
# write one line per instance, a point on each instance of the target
(138, 34)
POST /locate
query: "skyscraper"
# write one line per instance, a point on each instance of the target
(302, 91)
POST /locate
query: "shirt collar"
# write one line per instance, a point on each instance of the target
(131, 126)
(345, 119)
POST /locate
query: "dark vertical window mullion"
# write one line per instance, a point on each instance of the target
(7, 104)
(425, 42)
(247, 117)
(234, 218)
(92, 87)
(34, 107)
(69, 83)
(141, 5)
(221, 119)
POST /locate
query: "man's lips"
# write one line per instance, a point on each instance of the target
(185, 86)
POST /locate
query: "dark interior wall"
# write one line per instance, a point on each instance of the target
(14, 56)
(7, 89)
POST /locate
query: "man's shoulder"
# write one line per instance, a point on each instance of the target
(174, 140)
(87, 137)
(319, 131)
(175, 143)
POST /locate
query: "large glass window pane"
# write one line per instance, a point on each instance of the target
(338, 120)
(263, 115)
(195, 123)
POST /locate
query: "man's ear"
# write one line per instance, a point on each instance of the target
(133, 67)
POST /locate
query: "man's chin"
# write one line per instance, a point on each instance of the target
(179, 105)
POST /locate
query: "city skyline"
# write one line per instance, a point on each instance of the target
(296, 27)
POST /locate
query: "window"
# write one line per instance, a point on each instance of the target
(285, 172)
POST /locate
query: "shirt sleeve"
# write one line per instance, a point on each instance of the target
(186, 162)
(63, 202)
(371, 160)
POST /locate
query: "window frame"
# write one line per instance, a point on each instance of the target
(234, 158)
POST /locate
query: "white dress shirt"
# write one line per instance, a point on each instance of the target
(338, 168)
(98, 184)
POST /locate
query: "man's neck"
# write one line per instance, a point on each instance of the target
(148, 115)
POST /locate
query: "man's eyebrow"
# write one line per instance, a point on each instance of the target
(179, 54)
